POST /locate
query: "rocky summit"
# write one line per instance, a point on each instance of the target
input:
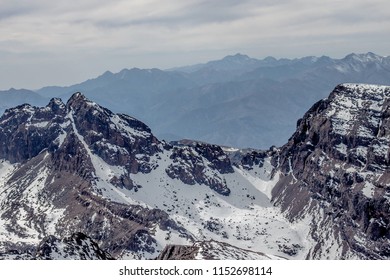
(80, 182)
(335, 173)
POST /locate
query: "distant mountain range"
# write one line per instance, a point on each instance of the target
(236, 101)
(14, 97)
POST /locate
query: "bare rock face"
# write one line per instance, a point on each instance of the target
(26, 130)
(78, 246)
(210, 250)
(336, 170)
(117, 139)
(191, 167)
(178, 252)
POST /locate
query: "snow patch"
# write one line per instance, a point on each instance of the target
(368, 190)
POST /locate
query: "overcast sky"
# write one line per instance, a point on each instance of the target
(45, 42)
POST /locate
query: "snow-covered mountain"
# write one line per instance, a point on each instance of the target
(77, 167)
(78, 171)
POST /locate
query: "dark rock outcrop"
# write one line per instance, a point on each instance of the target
(78, 246)
(178, 252)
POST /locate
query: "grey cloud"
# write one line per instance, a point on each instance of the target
(212, 28)
(12, 11)
(192, 14)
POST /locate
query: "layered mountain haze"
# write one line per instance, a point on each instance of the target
(236, 101)
(79, 181)
(14, 97)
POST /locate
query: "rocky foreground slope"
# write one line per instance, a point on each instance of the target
(77, 169)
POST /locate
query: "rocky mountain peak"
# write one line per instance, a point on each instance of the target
(352, 125)
(336, 167)
(358, 109)
(351, 111)
(87, 164)
(237, 58)
(77, 100)
(77, 96)
(56, 105)
(363, 58)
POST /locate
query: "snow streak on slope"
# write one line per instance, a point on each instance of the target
(104, 173)
(261, 177)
